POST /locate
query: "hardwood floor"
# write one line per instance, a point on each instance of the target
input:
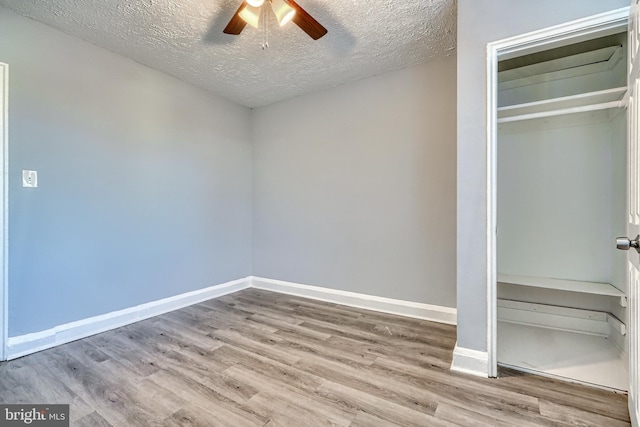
(257, 358)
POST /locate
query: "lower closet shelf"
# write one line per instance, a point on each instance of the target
(574, 356)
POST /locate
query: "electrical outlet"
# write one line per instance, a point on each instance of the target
(29, 179)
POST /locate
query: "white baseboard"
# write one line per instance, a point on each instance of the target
(416, 310)
(30, 343)
(22, 345)
(468, 361)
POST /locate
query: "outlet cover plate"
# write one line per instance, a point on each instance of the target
(29, 179)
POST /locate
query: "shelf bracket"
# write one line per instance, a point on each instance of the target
(623, 301)
(616, 324)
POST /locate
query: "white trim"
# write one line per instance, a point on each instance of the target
(600, 25)
(4, 209)
(634, 413)
(492, 208)
(468, 361)
(416, 310)
(582, 29)
(31, 343)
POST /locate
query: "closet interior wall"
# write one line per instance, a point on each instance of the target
(562, 178)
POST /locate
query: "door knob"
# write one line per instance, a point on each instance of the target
(623, 243)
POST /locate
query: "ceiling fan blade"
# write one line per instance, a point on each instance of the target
(306, 22)
(236, 24)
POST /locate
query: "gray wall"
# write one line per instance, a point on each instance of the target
(480, 22)
(354, 187)
(145, 181)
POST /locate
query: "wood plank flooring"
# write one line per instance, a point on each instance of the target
(257, 358)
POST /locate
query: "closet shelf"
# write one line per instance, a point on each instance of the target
(595, 288)
(591, 101)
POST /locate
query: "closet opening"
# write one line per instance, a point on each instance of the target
(560, 203)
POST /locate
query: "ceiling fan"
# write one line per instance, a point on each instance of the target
(285, 10)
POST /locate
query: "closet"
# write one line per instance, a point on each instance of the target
(561, 200)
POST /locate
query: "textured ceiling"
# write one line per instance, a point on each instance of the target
(184, 38)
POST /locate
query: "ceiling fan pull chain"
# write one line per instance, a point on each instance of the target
(265, 37)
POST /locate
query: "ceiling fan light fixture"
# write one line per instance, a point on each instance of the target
(250, 15)
(283, 11)
(255, 3)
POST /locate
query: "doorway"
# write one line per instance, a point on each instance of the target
(509, 50)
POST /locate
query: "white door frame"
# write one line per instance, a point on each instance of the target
(4, 206)
(548, 38)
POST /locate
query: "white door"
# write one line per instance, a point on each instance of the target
(633, 208)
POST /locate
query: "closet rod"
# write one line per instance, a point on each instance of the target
(563, 111)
